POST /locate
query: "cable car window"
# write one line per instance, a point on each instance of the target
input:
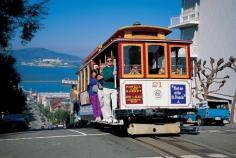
(156, 59)
(132, 58)
(178, 61)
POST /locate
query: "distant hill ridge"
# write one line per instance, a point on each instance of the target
(30, 54)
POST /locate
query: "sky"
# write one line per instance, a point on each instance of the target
(78, 26)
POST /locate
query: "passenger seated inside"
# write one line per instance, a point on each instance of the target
(178, 61)
(152, 64)
(96, 68)
(134, 70)
(161, 71)
(178, 71)
(132, 60)
(156, 59)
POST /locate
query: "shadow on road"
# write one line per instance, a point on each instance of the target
(14, 132)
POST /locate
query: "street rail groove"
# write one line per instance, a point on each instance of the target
(150, 147)
(207, 147)
(192, 148)
(180, 148)
(163, 153)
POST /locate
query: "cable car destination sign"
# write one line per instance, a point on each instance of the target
(178, 93)
(134, 93)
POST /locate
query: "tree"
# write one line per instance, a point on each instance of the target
(21, 16)
(232, 63)
(61, 116)
(12, 99)
(208, 76)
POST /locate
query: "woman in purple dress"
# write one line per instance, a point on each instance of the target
(93, 89)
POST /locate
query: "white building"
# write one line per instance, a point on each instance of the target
(52, 60)
(211, 25)
(44, 98)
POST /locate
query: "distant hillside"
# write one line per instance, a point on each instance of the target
(31, 54)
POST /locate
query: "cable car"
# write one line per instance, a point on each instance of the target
(153, 80)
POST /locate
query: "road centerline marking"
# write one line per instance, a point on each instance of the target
(72, 130)
(50, 137)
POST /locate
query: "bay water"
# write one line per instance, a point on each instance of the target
(46, 79)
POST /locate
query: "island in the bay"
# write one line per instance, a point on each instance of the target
(43, 57)
(47, 62)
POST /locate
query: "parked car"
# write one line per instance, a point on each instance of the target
(209, 112)
(60, 126)
(13, 122)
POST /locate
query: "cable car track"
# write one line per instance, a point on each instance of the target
(179, 148)
(207, 149)
(162, 152)
(176, 147)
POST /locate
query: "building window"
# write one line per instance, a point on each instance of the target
(156, 59)
(178, 61)
(132, 60)
(189, 33)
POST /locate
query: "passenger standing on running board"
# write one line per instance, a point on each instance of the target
(100, 90)
(93, 90)
(75, 104)
(109, 91)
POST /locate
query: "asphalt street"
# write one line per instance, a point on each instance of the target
(222, 138)
(94, 143)
(37, 119)
(84, 143)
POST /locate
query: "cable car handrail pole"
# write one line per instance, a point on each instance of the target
(115, 86)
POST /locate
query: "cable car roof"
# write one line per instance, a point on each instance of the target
(146, 28)
(126, 33)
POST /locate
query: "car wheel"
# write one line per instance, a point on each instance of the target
(14, 127)
(220, 123)
(200, 121)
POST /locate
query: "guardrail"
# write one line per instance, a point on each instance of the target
(186, 17)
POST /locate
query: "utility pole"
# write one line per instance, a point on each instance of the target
(232, 111)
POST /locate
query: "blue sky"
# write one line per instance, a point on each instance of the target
(78, 26)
